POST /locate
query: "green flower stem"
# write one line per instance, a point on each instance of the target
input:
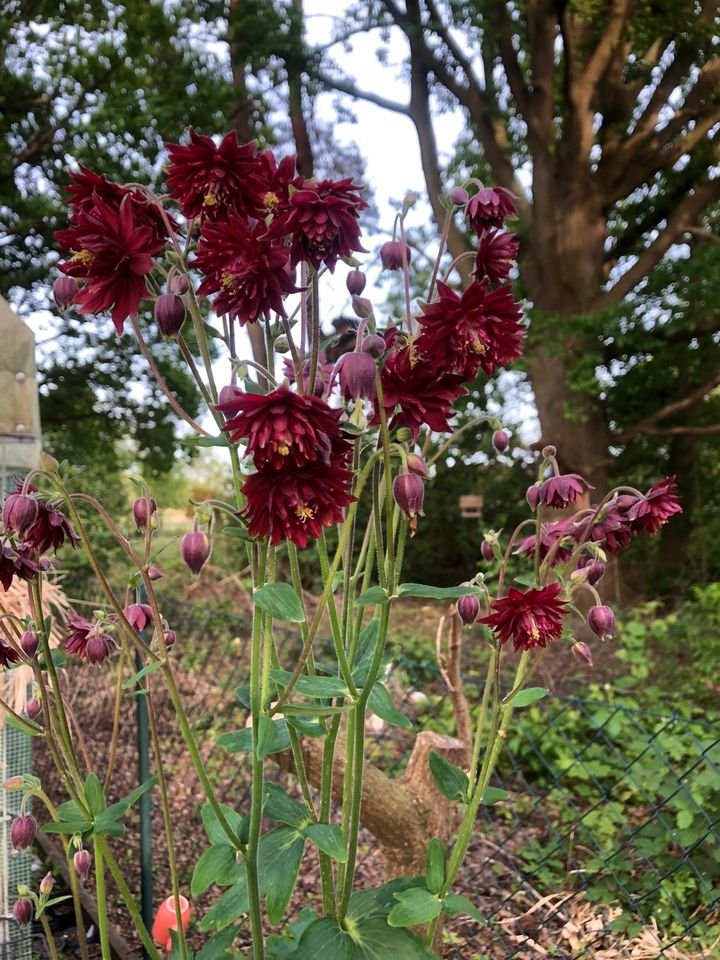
(481, 719)
(101, 900)
(389, 501)
(190, 360)
(328, 759)
(347, 789)
(49, 937)
(128, 899)
(377, 522)
(199, 327)
(336, 631)
(314, 331)
(441, 249)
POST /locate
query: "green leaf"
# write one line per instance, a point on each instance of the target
(231, 905)
(94, 794)
(454, 904)
(523, 698)
(328, 837)
(380, 702)
(373, 596)
(311, 710)
(67, 826)
(213, 864)
(219, 440)
(236, 531)
(277, 805)
(371, 939)
(414, 906)
(364, 655)
(281, 601)
(240, 741)
(281, 851)
(452, 781)
(307, 728)
(435, 870)
(214, 831)
(428, 592)
(379, 901)
(135, 794)
(494, 795)
(325, 688)
(19, 724)
(266, 738)
(105, 820)
(218, 946)
(148, 668)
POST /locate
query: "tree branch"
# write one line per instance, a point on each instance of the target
(649, 424)
(349, 87)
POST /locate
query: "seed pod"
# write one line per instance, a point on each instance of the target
(468, 609)
(355, 282)
(195, 549)
(601, 621)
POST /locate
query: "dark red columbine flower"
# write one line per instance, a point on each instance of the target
(23, 911)
(357, 376)
(114, 258)
(22, 832)
(322, 217)
(489, 207)
(16, 562)
(550, 533)
(612, 528)
(322, 376)
(284, 428)
(51, 529)
(423, 394)
(391, 254)
(530, 617)
(19, 512)
(139, 615)
(481, 328)
(8, 654)
(647, 514)
(495, 255)
(297, 502)
(601, 621)
(195, 549)
(247, 268)
(560, 491)
(277, 179)
(209, 179)
(77, 633)
(88, 641)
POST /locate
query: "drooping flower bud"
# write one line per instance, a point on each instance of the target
(416, 464)
(374, 344)
(595, 571)
(140, 512)
(468, 609)
(19, 512)
(487, 551)
(195, 549)
(64, 290)
(355, 282)
(409, 493)
(154, 573)
(170, 638)
(281, 344)
(601, 621)
(33, 708)
(29, 643)
(46, 885)
(459, 196)
(170, 314)
(549, 451)
(13, 783)
(357, 376)
(23, 911)
(533, 495)
(583, 653)
(22, 832)
(500, 440)
(82, 861)
(391, 254)
(362, 308)
(179, 285)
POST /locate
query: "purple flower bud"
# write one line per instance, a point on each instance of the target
(459, 196)
(23, 911)
(29, 643)
(170, 314)
(195, 550)
(468, 609)
(374, 344)
(139, 615)
(33, 708)
(64, 290)
(82, 862)
(595, 570)
(500, 440)
(154, 573)
(140, 512)
(391, 254)
(46, 885)
(533, 495)
(409, 493)
(170, 638)
(601, 621)
(357, 376)
(416, 464)
(179, 285)
(99, 647)
(549, 451)
(356, 281)
(22, 832)
(487, 551)
(19, 512)
(583, 652)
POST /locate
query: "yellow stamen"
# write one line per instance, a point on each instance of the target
(283, 448)
(210, 200)
(227, 280)
(303, 512)
(271, 201)
(85, 257)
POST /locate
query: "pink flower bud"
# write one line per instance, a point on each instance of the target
(154, 573)
(140, 511)
(169, 314)
(13, 783)
(195, 550)
(179, 285)
(19, 512)
(170, 638)
(46, 885)
(487, 551)
(23, 911)
(458, 196)
(391, 254)
(82, 862)
(549, 451)
(33, 708)
(22, 832)
(29, 643)
(416, 464)
(500, 440)
(139, 615)
(583, 652)
(468, 609)
(374, 344)
(595, 571)
(409, 493)
(601, 621)
(356, 281)
(534, 495)
(357, 376)
(64, 290)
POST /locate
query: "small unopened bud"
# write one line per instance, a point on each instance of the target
(154, 573)
(356, 281)
(391, 254)
(374, 344)
(82, 862)
(595, 571)
(500, 440)
(487, 551)
(362, 308)
(416, 464)
(170, 314)
(227, 394)
(468, 609)
(601, 621)
(170, 638)
(22, 832)
(458, 196)
(195, 550)
(179, 285)
(23, 911)
(29, 643)
(281, 345)
(64, 290)
(33, 708)
(409, 493)
(583, 652)
(533, 495)
(549, 451)
(46, 885)
(13, 783)
(140, 511)
(19, 512)
(404, 435)
(357, 376)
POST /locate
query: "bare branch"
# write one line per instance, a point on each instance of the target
(349, 87)
(650, 424)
